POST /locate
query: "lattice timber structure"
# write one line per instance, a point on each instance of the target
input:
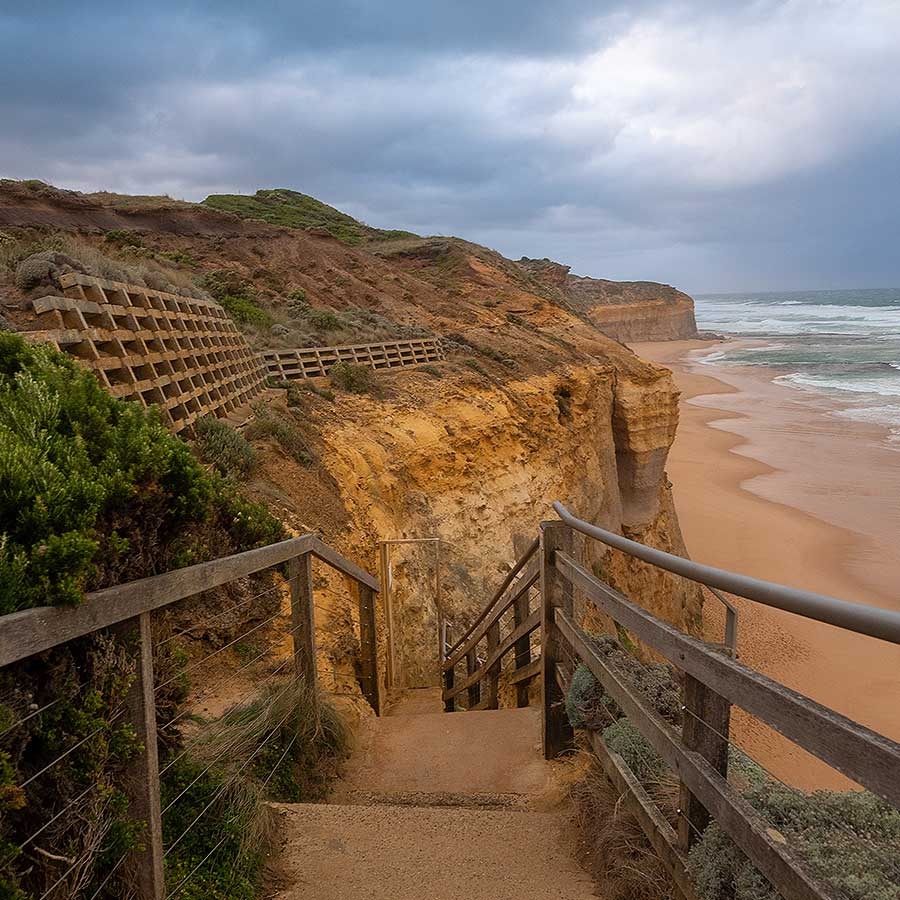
(183, 354)
(312, 362)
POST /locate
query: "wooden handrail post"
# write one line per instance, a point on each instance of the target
(449, 682)
(493, 674)
(303, 627)
(522, 647)
(556, 592)
(704, 731)
(368, 647)
(474, 692)
(142, 771)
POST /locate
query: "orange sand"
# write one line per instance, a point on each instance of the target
(821, 513)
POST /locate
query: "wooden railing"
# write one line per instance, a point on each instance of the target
(504, 626)
(699, 754)
(713, 681)
(313, 362)
(126, 611)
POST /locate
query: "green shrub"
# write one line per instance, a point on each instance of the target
(92, 488)
(122, 238)
(351, 377)
(623, 738)
(848, 839)
(182, 257)
(223, 448)
(237, 297)
(266, 424)
(475, 365)
(324, 319)
(433, 371)
(280, 746)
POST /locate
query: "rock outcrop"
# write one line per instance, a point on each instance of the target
(627, 311)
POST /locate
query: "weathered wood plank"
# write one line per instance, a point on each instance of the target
(477, 673)
(334, 559)
(556, 596)
(492, 670)
(142, 771)
(522, 646)
(659, 832)
(869, 758)
(449, 676)
(368, 647)
(704, 731)
(528, 672)
(765, 848)
(472, 684)
(303, 622)
(33, 630)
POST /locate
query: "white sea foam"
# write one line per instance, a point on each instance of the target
(883, 387)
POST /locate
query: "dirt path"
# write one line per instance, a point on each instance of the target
(440, 806)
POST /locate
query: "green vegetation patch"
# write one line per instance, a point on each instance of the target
(237, 298)
(95, 491)
(351, 377)
(292, 209)
(280, 746)
(224, 448)
(286, 433)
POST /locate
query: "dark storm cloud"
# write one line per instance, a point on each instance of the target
(714, 145)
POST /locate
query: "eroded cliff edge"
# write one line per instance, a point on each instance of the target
(536, 402)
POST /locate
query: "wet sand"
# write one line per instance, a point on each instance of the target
(767, 483)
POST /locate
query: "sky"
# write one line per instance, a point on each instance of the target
(716, 146)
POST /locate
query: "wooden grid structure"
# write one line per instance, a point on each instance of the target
(312, 362)
(183, 354)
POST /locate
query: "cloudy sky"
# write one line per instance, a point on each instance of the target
(712, 145)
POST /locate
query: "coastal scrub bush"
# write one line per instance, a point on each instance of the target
(266, 424)
(282, 745)
(351, 377)
(123, 238)
(848, 839)
(91, 488)
(237, 298)
(224, 448)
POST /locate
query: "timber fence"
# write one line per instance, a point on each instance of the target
(313, 362)
(712, 680)
(127, 617)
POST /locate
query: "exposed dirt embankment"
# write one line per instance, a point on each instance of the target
(535, 403)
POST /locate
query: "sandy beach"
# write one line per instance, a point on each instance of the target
(767, 483)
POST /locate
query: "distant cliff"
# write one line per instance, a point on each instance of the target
(628, 311)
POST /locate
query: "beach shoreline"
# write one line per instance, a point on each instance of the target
(769, 483)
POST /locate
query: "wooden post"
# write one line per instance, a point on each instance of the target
(449, 680)
(522, 647)
(493, 675)
(704, 731)
(474, 692)
(142, 772)
(390, 656)
(556, 592)
(303, 623)
(368, 646)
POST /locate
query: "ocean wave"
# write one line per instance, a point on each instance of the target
(883, 387)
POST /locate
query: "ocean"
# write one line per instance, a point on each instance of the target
(843, 344)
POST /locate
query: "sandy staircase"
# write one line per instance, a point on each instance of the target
(436, 806)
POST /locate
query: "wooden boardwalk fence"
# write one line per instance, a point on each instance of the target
(313, 362)
(713, 681)
(125, 612)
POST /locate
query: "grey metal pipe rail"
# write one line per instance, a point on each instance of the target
(883, 624)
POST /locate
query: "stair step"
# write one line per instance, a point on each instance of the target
(435, 799)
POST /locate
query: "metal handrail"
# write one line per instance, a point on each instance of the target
(883, 624)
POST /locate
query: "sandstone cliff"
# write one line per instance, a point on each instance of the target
(535, 402)
(628, 311)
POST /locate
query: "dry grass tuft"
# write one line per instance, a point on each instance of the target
(613, 846)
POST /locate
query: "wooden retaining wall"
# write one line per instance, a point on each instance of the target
(182, 354)
(312, 362)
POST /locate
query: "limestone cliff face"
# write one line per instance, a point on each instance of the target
(628, 311)
(480, 467)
